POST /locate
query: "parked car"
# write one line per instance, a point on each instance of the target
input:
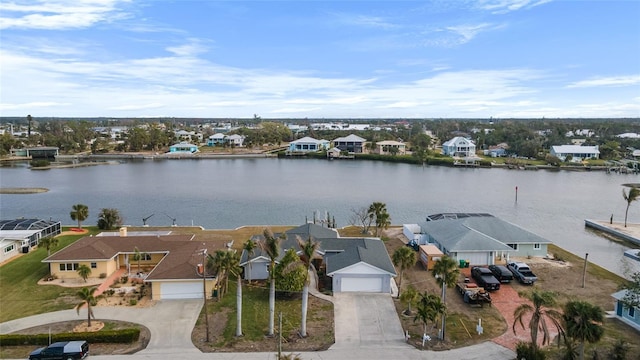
(484, 278)
(522, 272)
(501, 273)
(64, 350)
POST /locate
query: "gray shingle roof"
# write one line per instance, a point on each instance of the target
(486, 233)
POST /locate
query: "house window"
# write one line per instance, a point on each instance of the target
(632, 312)
(513, 246)
(9, 248)
(146, 257)
(69, 267)
(94, 265)
(536, 246)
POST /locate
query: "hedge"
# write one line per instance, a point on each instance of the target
(108, 336)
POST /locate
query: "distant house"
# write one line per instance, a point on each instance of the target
(308, 144)
(496, 151)
(21, 235)
(352, 143)
(459, 146)
(389, 147)
(172, 262)
(480, 238)
(184, 148)
(354, 264)
(216, 139)
(334, 152)
(39, 152)
(629, 315)
(235, 140)
(576, 152)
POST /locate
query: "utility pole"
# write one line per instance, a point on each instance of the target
(280, 336)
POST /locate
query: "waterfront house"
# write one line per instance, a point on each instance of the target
(480, 238)
(629, 315)
(183, 148)
(389, 147)
(354, 264)
(170, 263)
(308, 144)
(21, 235)
(459, 146)
(235, 140)
(215, 139)
(576, 153)
(352, 143)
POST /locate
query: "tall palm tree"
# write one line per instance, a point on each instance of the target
(446, 272)
(309, 249)
(383, 221)
(109, 218)
(271, 246)
(409, 297)
(583, 322)
(232, 267)
(541, 312)
(48, 243)
(79, 212)
(84, 271)
(220, 265)
(88, 298)
(376, 213)
(403, 258)
(250, 247)
(629, 198)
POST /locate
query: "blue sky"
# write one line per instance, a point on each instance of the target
(317, 59)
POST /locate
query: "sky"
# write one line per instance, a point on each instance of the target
(319, 59)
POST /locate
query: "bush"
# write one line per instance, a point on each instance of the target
(107, 336)
(133, 302)
(40, 163)
(527, 351)
(103, 275)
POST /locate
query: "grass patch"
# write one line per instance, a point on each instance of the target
(20, 294)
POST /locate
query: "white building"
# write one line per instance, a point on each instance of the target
(578, 153)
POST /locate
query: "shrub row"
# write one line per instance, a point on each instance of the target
(109, 336)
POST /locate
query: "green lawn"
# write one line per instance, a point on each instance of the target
(20, 294)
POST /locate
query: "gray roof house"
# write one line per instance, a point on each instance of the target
(479, 238)
(354, 264)
(629, 315)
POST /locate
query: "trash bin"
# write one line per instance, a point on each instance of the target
(466, 263)
(462, 263)
(215, 293)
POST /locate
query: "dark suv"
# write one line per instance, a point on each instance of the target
(64, 350)
(502, 273)
(484, 278)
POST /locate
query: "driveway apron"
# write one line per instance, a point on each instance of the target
(366, 320)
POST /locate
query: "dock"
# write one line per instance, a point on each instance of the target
(630, 233)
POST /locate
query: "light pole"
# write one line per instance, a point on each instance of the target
(204, 291)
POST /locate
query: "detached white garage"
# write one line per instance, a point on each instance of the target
(181, 290)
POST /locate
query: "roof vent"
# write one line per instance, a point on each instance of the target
(123, 232)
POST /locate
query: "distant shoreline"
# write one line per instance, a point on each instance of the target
(18, 190)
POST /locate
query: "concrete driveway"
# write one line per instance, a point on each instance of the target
(366, 320)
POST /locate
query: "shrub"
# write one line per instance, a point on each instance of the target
(527, 351)
(133, 302)
(104, 336)
(40, 163)
(124, 279)
(103, 275)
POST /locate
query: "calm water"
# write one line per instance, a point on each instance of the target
(229, 193)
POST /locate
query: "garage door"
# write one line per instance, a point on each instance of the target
(362, 284)
(475, 258)
(181, 290)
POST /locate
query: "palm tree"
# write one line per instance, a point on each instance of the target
(271, 246)
(446, 272)
(88, 298)
(583, 322)
(403, 258)
(250, 247)
(84, 271)
(383, 221)
(309, 249)
(109, 219)
(220, 265)
(428, 309)
(48, 242)
(232, 266)
(541, 312)
(630, 197)
(409, 297)
(378, 213)
(138, 256)
(79, 212)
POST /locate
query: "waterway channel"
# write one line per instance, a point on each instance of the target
(228, 193)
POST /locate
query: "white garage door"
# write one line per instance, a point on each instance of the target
(363, 284)
(475, 258)
(181, 290)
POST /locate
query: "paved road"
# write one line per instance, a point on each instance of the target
(367, 331)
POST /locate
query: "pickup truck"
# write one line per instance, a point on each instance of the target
(522, 272)
(484, 278)
(64, 350)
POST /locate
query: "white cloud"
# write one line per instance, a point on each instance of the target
(59, 14)
(505, 6)
(607, 81)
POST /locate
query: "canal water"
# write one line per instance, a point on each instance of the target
(228, 193)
